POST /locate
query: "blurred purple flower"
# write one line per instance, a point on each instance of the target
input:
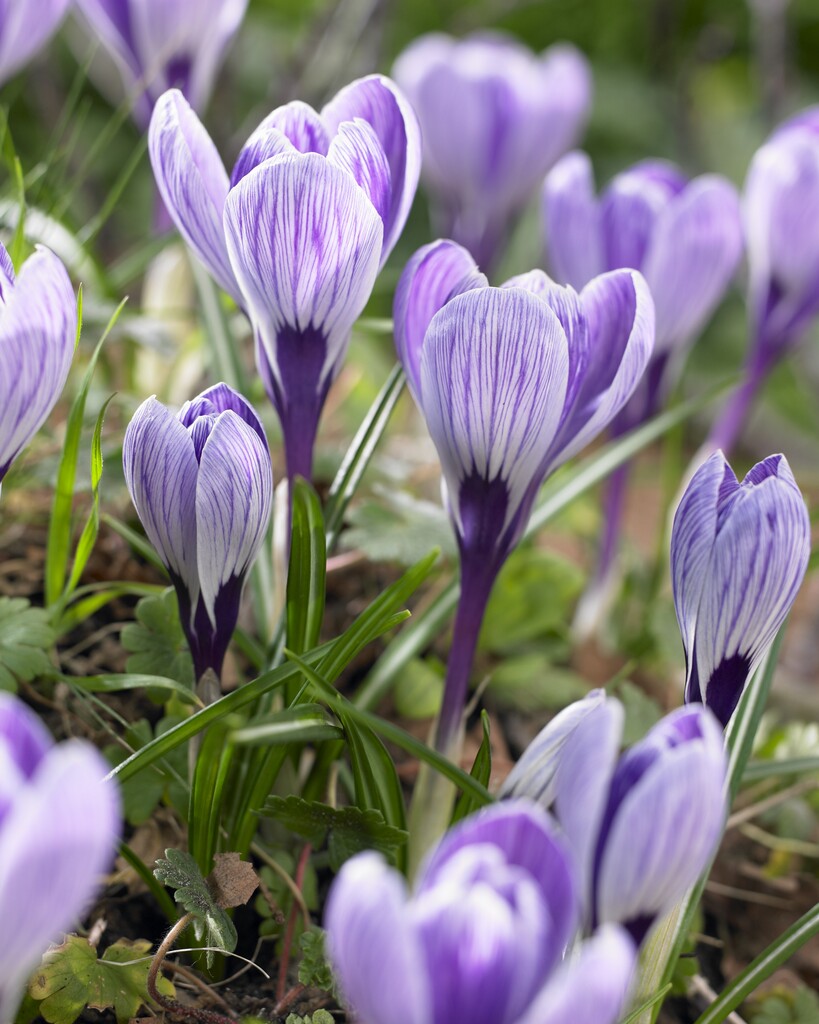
(59, 825)
(481, 938)
(686, 239)
(202, 485)
(25, 27)
(512, 382)
(38, 332)
(165, 44)
(494, 118)
(781, 211)
(643, 825)
(738, 556)
(298, 233)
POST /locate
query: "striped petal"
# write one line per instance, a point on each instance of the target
(758, 560)
(378, 101)
(593, 987)
(435, 274)
(193, 183)
(494, 373)
(266, 142)
(234, 498)
(295, 127)
(305, 242)
(56, 841)
(373, 946)
(572, 221)
(357, 150)
(693, 254)
(619, 315)
(161, 470)
(630, 208)
(665, 818)
(38, 332)
(24, 29)
(584, 773)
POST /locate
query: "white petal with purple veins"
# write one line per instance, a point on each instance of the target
(572, 221)
(193, 183)
(357, 150)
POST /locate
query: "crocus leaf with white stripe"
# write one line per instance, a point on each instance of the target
(38, 332)
(165, 44)
(202, 485)
(59, 825)
(25, 28)
(642, 825)
(739, 552)
(481, 937)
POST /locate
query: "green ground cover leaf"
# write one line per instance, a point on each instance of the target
(156, 641)
(25, 639)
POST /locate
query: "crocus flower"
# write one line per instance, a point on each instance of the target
(25, 28)
(739, 552)
(165, 44)
(38, 332)
(686, 238)
(59, 824)
(202, 484)
(480, 939)
(512, 382)
(298, 233)
(642, 826)
(494, 118)
(781, 212)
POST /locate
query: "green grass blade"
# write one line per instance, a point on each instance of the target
(306, 576)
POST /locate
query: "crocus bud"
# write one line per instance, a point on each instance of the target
(512, 382)
(165, 44)
(739, 552)
(59, 825)
(494, 118)
(202, 485)
(298, 232)
(480, 939)
(642, 826)
(26, 27)
(38, 332)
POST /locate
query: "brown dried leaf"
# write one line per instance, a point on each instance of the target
(232, 881)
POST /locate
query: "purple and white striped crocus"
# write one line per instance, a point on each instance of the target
(781, 213)
(686, 239)
(482, 936)
(494, 118)
(298, 233)
(739, 552)
(38, 332)
(25, 28)
(202, 485)
(165, 44)
(59, 825)
(642, 825)
(512, 382)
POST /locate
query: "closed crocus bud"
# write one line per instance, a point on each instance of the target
(686, 239)
(642, 826)
(494, 118)
(59, 825)
(202, 485)
(38, 332)
(781, 213)
(298, 232)
(25, 28)
(739, 552)
(165, 44)
(511, 381)
(481, 937)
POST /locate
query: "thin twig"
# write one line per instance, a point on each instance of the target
(284, 963)
(781, 797)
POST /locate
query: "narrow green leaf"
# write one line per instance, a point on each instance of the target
(481, 770)
(158, 892)
(137, 541)
(360, 453)
(776, 767)
(132, 681)
(655, 1000)
(60, 524)
(305, 723)
(207, 791)
(306, 576)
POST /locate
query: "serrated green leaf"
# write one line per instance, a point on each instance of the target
(314, 968)
(399, 528)
(179, 872)
(317, 1017)
(156, 641)
(26, 636)
(530, 682)
(71, 977)
(346, 830)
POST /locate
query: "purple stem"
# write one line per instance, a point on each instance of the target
(725, 432)
(614, 501)
(476, 585)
